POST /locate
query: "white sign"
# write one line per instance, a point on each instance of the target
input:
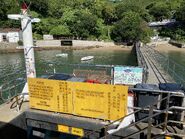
(48, 37)
(128, 75)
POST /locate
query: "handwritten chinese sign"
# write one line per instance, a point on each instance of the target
(128, 75)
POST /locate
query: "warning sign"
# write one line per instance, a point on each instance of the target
(100, 101)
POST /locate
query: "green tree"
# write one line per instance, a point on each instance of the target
(109, 14)
(68, 18)
(103, 31)
(8, 7)
(40, 6)
(175, 32)
(160, 11)
(45, 26)
(84, 24)
(180, 13)
(55, 8)
(60, 30)
(125, 7)
(130, 29)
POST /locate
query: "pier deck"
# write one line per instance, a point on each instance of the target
(8, 112)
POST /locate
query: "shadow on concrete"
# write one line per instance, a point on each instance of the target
(9, 131)
(15, 129)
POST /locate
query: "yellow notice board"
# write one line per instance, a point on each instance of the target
(100, 101)
(43, 94)
(65, 99)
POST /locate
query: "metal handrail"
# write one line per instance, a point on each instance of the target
(10, 82)
(144, 119)
(148, 107)
(142, 62)
(177, 71)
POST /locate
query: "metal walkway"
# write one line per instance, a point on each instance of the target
(156, 73)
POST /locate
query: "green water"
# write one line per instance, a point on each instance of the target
(74, 57)
(115, 57)
(100, 57)
(178, 57)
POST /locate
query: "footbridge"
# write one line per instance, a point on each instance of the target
(158, 68)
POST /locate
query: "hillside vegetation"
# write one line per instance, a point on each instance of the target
(118, 20)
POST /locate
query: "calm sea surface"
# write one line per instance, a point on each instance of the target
(45, 58)
(114, 57)
(178, 57)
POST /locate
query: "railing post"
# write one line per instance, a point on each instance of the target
(1, 93)
(149, 130)
(173, 71)
(166, 113)
(104, 133)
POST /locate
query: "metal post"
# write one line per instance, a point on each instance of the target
(105, 133)
(166, 113)
(29, 132)
(167, 66)
(173, 71)
(27, 42)
(1, 93)
(149, 129)
(28, 45)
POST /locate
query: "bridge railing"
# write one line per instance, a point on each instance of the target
(49, 68)
(12, 80)
(141, 62)
(175, 70)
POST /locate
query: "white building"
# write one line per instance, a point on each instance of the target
(48, 37)
(12, 35)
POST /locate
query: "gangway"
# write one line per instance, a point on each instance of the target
(159, 68)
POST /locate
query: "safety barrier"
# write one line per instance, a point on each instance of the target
(141, 62)
(175, 70)
(152, 113)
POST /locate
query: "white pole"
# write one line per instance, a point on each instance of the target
(28, 46)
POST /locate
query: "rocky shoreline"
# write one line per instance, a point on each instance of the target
(14, 48)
